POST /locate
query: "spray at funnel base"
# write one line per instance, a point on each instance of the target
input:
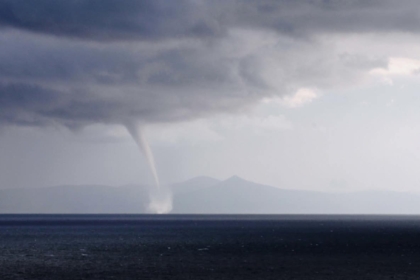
(160, 201)
(160, 198)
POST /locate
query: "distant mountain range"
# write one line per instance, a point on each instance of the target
(204, 195)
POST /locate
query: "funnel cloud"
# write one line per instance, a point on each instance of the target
(138, 136)
(160, 198)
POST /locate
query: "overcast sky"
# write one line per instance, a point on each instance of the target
(319, 95)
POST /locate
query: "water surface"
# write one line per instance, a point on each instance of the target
(209, 247)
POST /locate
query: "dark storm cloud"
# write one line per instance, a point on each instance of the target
(112, 19)
(25, 104)
(81, 62)
(306, 17)
(45, 81)
(163, 19)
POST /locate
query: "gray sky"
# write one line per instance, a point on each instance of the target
(319, 95)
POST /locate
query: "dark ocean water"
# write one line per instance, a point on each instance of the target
(209, 247)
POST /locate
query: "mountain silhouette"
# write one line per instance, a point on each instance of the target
(205, 195)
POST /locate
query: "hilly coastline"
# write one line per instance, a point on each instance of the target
(205, 195)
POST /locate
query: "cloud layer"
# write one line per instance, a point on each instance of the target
(76, 63)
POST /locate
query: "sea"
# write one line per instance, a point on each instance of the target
(209, 247)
